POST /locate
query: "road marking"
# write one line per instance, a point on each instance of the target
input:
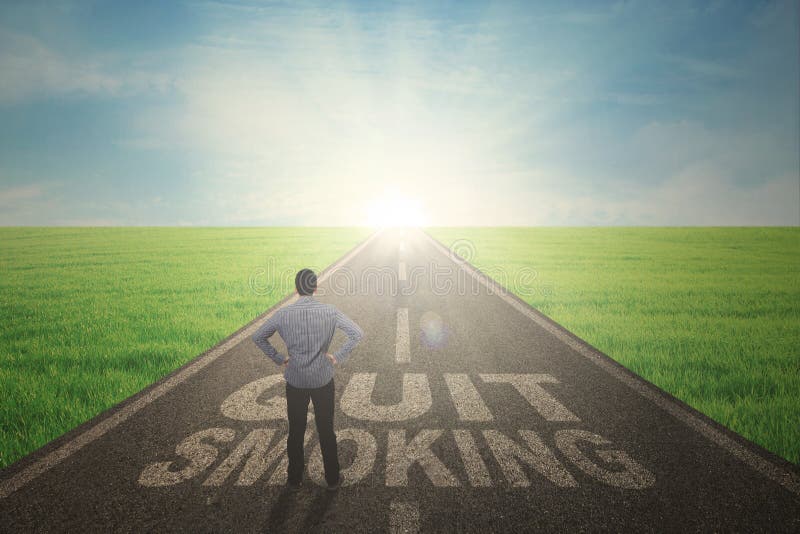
(401, 271)
(256, 466)
(260, 449)
(200, 455)
(255, 447)
(506, 451)
(243, 405)
(782, 476)
(400, 456)
(402, 350)
(357, 399)
(404, 517)
(364, 461)
(528, 386)
(476, 469)
(467, 400)
(262, 452)
(263, 448)
(633, 477)
(15, 482)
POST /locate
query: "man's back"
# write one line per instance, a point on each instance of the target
(307, 327)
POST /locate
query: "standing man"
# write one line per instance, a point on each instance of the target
(307, 328)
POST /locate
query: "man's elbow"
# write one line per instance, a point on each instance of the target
(261, 343)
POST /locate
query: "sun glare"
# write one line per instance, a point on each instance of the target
(393, 209)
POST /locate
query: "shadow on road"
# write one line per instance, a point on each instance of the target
(301, 510)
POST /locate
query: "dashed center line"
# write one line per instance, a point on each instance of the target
(401, 271)
(402, 350)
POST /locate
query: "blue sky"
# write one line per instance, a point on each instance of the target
(528, 113)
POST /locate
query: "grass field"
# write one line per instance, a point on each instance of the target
(93, 315)
(711, 315)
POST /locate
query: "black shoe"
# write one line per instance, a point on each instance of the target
(334, 487)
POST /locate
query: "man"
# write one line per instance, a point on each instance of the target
(307, 328)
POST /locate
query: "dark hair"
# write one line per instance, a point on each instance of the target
(305, 281)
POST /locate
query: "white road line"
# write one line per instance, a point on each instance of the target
(467, 400)
(402, 352)
(476, 469)
(785, 478)
(404, 517)
(401, 271)
(15, 482)
(357, 401)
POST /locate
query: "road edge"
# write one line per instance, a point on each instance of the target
(750, 453)
(16, 475)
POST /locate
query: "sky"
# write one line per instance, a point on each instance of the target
(434, 113)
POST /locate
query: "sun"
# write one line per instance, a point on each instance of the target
(392, 209)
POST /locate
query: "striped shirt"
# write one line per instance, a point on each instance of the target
(307, 327)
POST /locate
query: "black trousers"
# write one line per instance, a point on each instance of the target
(297, 407)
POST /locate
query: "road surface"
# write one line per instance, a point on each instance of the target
(462, 409)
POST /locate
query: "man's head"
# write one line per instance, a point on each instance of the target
(305, 282)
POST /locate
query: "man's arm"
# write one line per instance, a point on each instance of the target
(261, 338)
(354, 335)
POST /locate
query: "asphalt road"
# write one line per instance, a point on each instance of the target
(461, 410)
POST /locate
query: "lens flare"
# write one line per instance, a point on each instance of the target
(434, 332)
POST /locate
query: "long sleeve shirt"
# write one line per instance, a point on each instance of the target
(307, 327)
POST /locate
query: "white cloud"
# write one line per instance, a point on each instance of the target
(309, 128)
(313, 133)
(711, 70)
(12, 195)
(31, 68)
(29, 204)
(702, 195)
(698, 195)
(298, 114)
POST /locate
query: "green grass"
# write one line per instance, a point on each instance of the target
(711, 315)
(92, 315)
